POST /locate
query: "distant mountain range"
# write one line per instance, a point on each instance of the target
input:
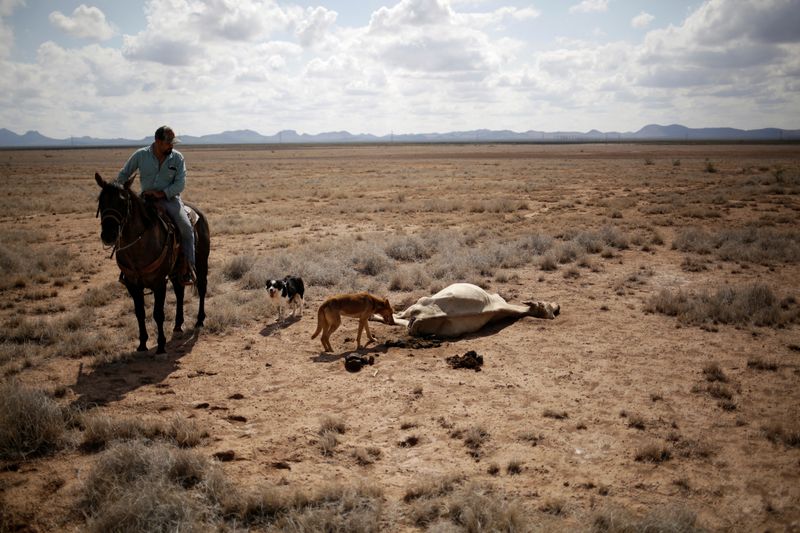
(652, 132)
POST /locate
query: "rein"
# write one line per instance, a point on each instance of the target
(121, 220)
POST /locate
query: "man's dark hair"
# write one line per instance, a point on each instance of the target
(161, 133)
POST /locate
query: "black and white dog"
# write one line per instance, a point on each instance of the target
(286, 291)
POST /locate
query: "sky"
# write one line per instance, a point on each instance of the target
(113, 68)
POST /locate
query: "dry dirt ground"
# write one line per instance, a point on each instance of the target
(607, 406)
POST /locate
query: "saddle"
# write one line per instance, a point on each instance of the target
(171, 250)
(169, 225)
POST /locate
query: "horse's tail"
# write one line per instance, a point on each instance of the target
(320, 321)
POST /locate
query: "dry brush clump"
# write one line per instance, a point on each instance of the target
(672, 518)
(750, 244)
(753, 303)
(101, 430)
(31, 422)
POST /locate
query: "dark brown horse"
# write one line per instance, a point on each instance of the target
(147, 254)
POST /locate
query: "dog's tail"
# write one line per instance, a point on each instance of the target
(320, 320)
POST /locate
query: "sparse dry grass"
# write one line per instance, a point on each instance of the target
(409, 227)
(753, 303)
(31, 423)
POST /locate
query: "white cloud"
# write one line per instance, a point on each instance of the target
(418, 65)
(7, 7)
(86, 23)
(313, 28)
(590, 6)
(642, 20)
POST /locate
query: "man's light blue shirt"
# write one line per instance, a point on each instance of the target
(170, 177)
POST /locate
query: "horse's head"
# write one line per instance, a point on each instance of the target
(113, 208)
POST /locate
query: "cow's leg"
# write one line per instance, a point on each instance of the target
(137, 293)
(159, 295)
(179, 290)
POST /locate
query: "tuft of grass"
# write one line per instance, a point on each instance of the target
(613, 519)
(432, 488)
(636, 421)
(139, 487)
(652, 453)
(557, 415)
(713, 372)
(332, 424)
(101, 430)
(514, 467)
(753, 303)
(327, 442)
(235, 268)
(31, 423)
(478, 508)
(776, 432)
(554, 506)
(759, 363)
(366, 455)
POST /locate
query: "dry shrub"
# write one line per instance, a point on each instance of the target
(409, 278)
(232, 309)
(713, 372)
(408, 248)
(474, 438)
(236, 267)
(341, 508)
(366, 456)
(652, 453)
(750, 244)
(614, 237)
(20, 263)
(101, 296)
(433, 488)
(479, 508)
(101, 430)
(777, 433)
(672, 519)
(31, 423)
(760, 363)
(139, 487)
(753, 303)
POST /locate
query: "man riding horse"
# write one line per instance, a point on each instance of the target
(163, 177)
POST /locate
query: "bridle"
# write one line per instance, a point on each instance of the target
(121, 220)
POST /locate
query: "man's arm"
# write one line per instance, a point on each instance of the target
(131, 166)
(179, 182)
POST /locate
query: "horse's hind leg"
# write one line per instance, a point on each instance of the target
(159, 295)
(137, 293)
(179, 292)
(202, 284)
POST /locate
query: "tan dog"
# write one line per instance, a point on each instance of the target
(361, 306)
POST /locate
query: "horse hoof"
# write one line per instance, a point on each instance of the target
(198, 325)
(177, 329)
(161, 350)
(141, 348)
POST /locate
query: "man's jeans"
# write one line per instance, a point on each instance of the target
(174, 208)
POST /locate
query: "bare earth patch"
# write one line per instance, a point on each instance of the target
(679, 310)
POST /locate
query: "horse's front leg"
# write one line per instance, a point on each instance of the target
(137, 293)
(178, 288)
(159, 295)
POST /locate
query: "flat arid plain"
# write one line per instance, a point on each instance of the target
(663, 398)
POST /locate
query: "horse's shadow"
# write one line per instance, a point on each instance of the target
(111, 381)
(270, 329)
